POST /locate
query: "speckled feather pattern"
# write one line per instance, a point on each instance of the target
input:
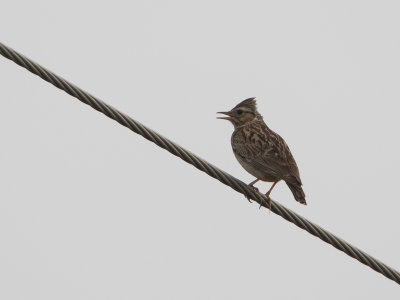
(262, 152)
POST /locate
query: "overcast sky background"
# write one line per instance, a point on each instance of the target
(90, 210)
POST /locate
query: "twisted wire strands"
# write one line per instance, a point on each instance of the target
(199, 163)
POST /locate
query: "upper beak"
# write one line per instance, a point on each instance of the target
(224, 113)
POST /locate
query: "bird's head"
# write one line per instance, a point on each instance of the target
(244, 112)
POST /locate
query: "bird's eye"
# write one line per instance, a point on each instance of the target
(239, 112)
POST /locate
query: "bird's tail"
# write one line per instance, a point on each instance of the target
(298, 192)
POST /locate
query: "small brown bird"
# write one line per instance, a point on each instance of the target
(262, 152)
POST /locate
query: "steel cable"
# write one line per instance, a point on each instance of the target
(199, 163)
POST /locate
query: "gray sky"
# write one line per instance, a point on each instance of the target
(90, 210)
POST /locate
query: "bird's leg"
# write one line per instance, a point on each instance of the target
(269, 192)
(251, 184)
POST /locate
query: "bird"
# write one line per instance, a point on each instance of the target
(262, 152)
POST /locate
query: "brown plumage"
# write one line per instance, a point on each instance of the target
(262, 152)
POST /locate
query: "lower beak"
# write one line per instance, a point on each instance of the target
(224, 113)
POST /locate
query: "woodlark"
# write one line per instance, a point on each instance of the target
(262, 152)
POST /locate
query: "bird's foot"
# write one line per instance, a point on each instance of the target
(254, 188)
(248, 199)
(269, 201)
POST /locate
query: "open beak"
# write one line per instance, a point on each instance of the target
(227, 113)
